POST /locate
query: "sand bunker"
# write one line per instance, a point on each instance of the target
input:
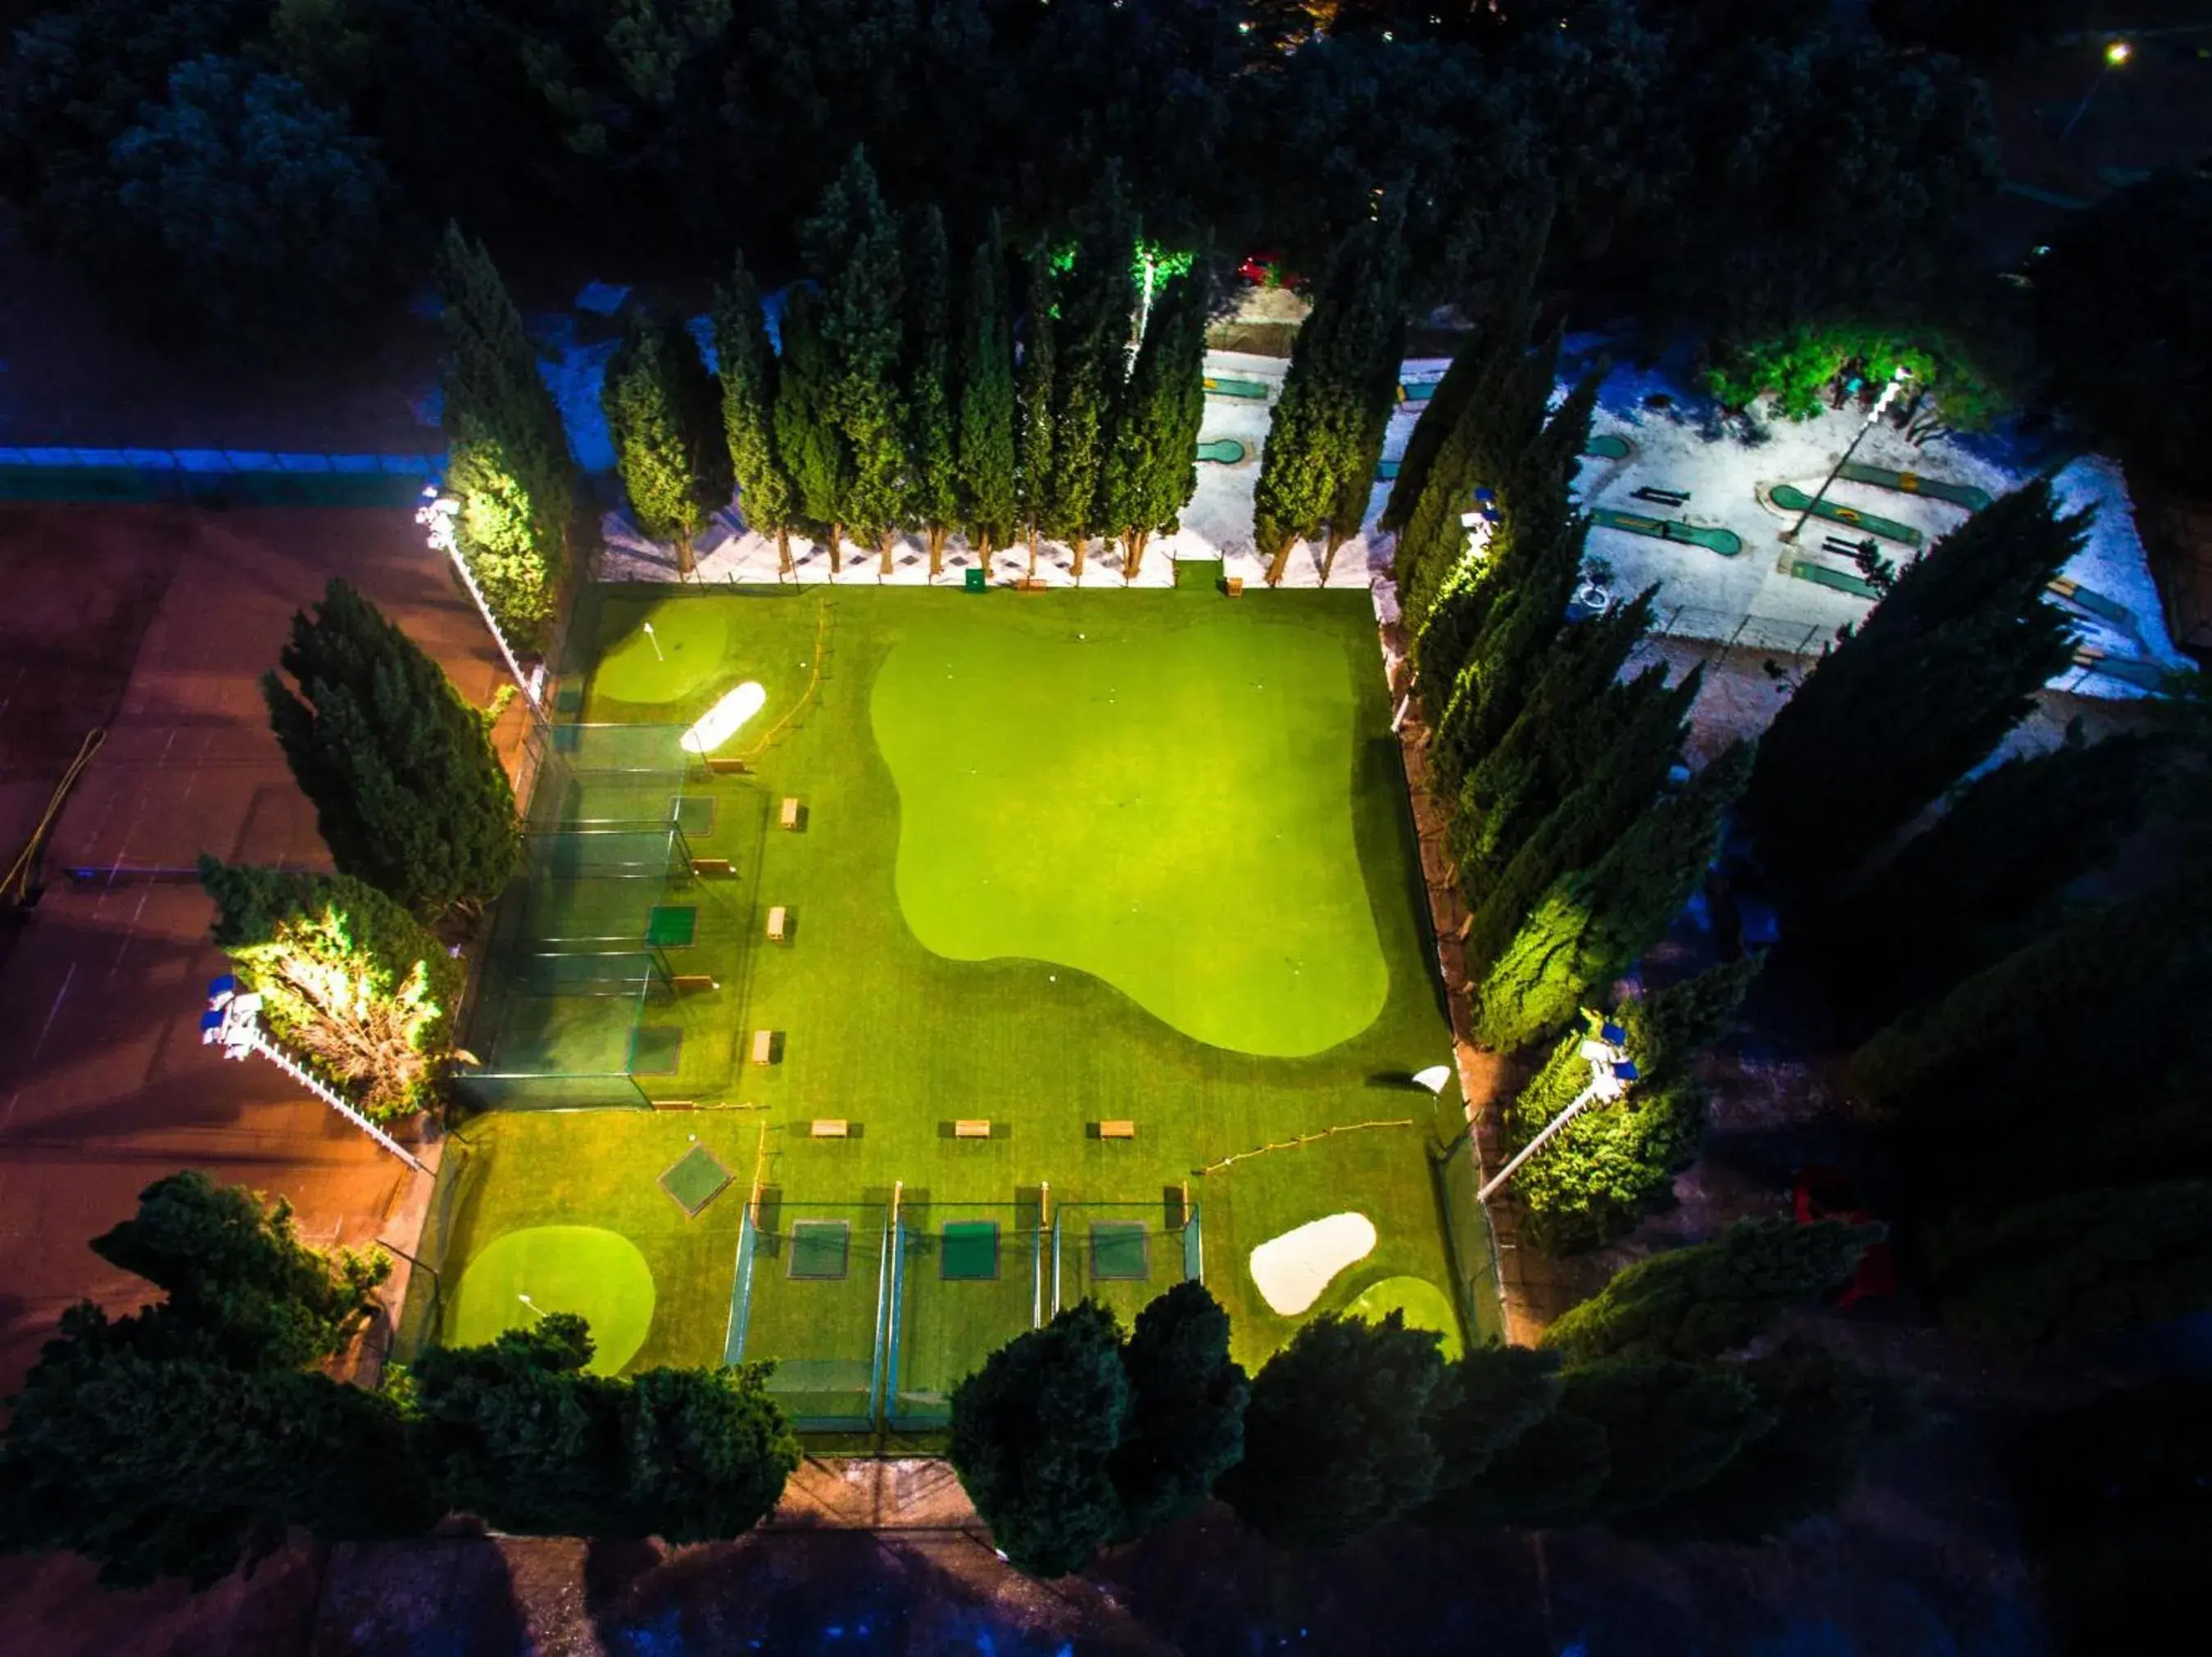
(1292, 1270)
(720, 722)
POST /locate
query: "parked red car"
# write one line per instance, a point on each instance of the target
(1820, 1190)
(1265, 269)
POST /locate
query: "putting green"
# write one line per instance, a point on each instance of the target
(599, 1275)
(1423, 1304)
(1169, 810)
(692, 640)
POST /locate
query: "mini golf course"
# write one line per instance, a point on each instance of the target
(1725, 542)
(1139, 859)
(1790, 497)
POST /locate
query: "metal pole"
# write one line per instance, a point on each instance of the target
(298, 1073)
(1582, 1101)
(1880, 404)
(436, 515)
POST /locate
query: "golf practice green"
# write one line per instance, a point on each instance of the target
(598, 1275)
(1168, 809)
(691, 638)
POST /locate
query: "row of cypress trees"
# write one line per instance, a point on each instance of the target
(1641, 1411)
(890, 406)
(2000, 997)
(1572, 849)
(1326, 435)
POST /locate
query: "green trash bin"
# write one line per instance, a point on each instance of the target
(974, 580)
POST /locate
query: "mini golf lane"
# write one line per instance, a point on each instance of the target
(1169, 810)
(599, 1275)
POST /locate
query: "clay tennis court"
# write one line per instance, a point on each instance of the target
(155, 623)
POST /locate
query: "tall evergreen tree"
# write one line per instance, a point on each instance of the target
(1361, 457)
(766, 495)
(1497, 1394)
(1712, 1298)
(408, 793)
(1098, 300)
(507, 458)
(986, 402)
(1948, 662)
(1151, 469)
(1669, 1427)
(807, 436)
(1547, 1477)
(1336, 1439)
(931, 426)
(663, 413)
(853, 246)
(1593, 924)
(1038, 393)
(1976, 884)
(1186, 1423)
(346, 977)
(1295, 488)
(1034, 1433)
(1822, 1414)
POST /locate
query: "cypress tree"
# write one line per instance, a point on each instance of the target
(1948, 662)
(1362, 454)
(1038, 393)
(1497, 1394)
(408, 793)
(1712, 1298)
(1033, 1437)
(1669, 1427)
(1547, 1477)
(1976, 884)
(1503, 332)
(1642, 728)
(986, 402)
(1298, 479)
(930, 400)
(1151, 467)
(1823, 1414)
(807, 436)
(662, 408)
(1336, 1438)
(749, 375)
(346, 976)
(1593, 924)
(507, 457)
(852, 244)
(1186, 1423)
(1096, 300)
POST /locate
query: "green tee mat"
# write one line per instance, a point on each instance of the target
(1790, 497)
(1727, 542)
(696, 1179)
(1936, 489)
(819, 1248)
(1117, 1252)
(969, 1250)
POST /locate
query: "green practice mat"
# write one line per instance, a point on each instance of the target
(527, 1275)
(1253, 390)
(1936, 489)
(1138, 806)
(1791, 498)
(1727, 542)
(970, 1251)
(672, 926)
(696, 1179)
(820, 1248)
(1118, 1252)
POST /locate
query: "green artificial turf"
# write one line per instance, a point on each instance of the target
(693, 646)
(599, 1275)
(1418, 1302)
(696, 1179)
(1168, 809)
(1267, 988)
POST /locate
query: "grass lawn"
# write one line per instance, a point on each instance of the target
(1061, 859)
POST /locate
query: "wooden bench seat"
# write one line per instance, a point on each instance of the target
(972, 1128)
(764, 1046)
(1118, 1129)
(789, 818)
(832, 1127)
(779, 921)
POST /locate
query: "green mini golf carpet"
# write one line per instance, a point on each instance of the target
(1167, 809)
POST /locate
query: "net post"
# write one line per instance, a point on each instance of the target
(879, 1401)
(894, 1322)
(1037, 1257)
(760, 1175)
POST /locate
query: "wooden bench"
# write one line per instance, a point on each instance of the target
(1234, 586)
(778, 918)
(832, 1127)
(689, 983)
(726, 767)
(1117, 1129)
(972, 1128)
(710, 865)
(790, 817)
(764, 1046)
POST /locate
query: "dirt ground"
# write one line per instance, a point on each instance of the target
(104, 1086)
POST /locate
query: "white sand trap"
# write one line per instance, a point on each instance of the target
(720, 722)
(1292, 1270)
